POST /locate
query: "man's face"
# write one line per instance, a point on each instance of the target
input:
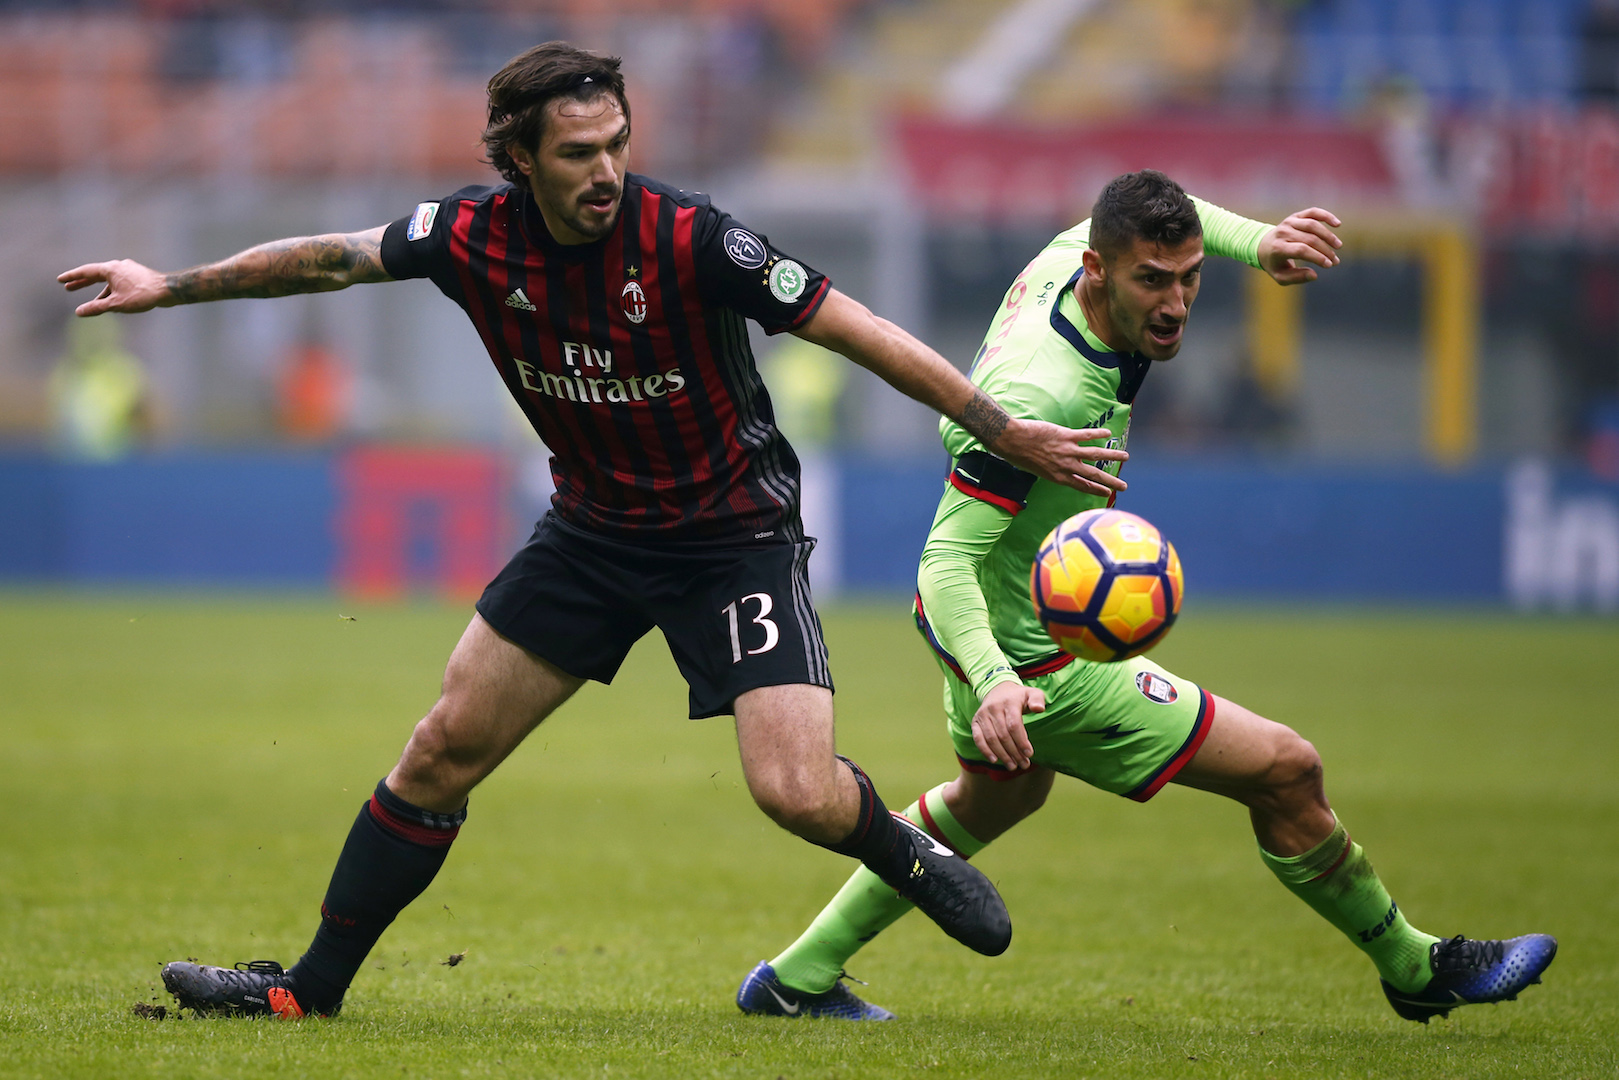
(577, 171)
(1150, 289)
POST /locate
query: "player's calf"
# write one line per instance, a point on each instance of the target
(986, 805)
(1277, 775)
(393, 851)
(495, 693)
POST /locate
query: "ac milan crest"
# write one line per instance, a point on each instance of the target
(634, 301)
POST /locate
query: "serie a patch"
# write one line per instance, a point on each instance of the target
(421, 222)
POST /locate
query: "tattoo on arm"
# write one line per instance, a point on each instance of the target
(303, 264)
(984, 418)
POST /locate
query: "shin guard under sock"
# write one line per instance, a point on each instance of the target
(875, 839)
(391, 855)
(864, 907)
(1336, 879)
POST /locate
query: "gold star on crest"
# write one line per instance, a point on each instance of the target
(631, 271)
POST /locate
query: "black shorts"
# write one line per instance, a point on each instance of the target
(736, 618)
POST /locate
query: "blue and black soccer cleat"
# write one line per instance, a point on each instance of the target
(1474, 972)
(762, 994)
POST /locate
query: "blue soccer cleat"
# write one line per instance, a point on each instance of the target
(762, 994)
(1474, 972)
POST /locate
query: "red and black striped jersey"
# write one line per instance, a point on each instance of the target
(629, 354)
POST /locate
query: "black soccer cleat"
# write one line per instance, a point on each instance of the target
(950, 891)
(259, 988)
(1467, 972)
(763, 994)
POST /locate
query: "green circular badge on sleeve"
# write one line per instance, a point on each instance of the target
(787, 281)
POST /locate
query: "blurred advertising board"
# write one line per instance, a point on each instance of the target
(1552, 173)
(389, 521)
(997, 171)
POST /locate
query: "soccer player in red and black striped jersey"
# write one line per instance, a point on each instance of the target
(613, 307)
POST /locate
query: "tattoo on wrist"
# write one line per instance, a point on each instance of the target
(283, 267)
(984, 418)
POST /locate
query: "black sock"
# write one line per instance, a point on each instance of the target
(392, 854)
(876, 841)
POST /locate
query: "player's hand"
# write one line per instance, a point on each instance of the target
(998, 724)
(130, 287)
(1056, 453)
(1304, 237)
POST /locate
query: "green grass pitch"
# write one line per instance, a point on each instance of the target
(179, 774)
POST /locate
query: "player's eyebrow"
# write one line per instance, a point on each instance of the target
(1158, 268)
(588, 144)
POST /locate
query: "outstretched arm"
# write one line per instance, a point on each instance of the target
(964, 531)
(302, 264)
(1280, 250)
(1047, 450)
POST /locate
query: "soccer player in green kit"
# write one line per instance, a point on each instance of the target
(1071, 344)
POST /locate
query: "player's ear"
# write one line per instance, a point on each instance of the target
(522, 158)
(1095, 265)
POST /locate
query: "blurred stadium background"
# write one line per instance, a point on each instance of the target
(1436, 420)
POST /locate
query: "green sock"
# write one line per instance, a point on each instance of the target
(863, 908)
(1336, 879)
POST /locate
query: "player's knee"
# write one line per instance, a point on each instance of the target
(794, 800)
(434, 753)
(1296, 770)
(1299, 762)
(427, 749)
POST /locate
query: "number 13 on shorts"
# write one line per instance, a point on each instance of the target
(737, 610)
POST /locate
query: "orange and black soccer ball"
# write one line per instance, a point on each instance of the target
(1106, 585)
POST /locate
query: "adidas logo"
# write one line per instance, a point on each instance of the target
(520, 302)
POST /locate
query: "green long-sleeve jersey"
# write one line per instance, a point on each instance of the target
(1040, 361)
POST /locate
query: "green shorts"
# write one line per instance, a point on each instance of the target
(1126, 727)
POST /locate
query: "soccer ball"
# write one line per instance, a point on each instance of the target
(1106, 585)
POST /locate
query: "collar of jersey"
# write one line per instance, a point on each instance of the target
(1079, 334)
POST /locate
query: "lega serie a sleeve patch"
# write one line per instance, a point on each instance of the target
(990, 479)
(412, 246)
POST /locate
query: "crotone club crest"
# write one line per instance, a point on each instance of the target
(634, 301)
(1156, 687)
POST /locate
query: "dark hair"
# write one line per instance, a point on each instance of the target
(520, 92)
(1143, 205)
